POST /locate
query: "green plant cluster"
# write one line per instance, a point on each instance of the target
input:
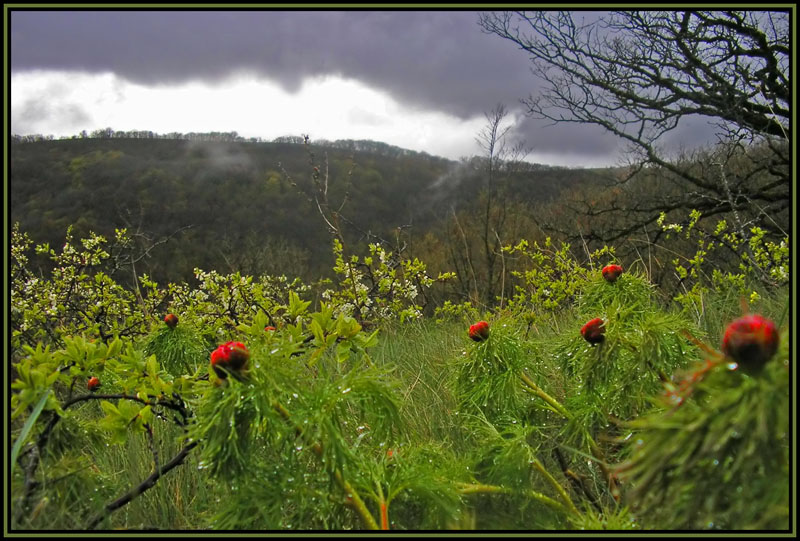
(357, 413)
(380, 286)
(552, 279)
(758, 261)
(79, 296)
(714, 454)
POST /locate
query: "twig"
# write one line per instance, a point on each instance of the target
(537, 464)
(145, 485)
(467, 253)
(30, 470)
(578, 481)
(152, 444)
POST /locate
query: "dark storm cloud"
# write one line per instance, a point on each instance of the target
(439, 60)
(436, 60)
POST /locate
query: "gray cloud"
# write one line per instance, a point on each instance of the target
(36, 116)
(432, 59)
(438, 60)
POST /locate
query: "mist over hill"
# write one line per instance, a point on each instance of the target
(217, 201)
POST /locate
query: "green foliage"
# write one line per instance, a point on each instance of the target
(42, 370)
(124, 418)
(487, 376)
(78, 299)
(455, 312)
(620, 519)
(416, 484)
(221, 302)
(631, 292)
(26, 428)
(374, 417)
(180, 349)
(754, 259)
(715, 454)
(380, 286)
(643, 347)
(334, 415)
(552, 278)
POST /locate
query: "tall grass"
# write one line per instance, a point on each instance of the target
(421, 353)
(183, 499)
(423, 356)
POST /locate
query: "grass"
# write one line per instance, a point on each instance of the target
(183, 499)
(422, 353)
(424, 357)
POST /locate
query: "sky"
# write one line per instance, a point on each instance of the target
(421, 80)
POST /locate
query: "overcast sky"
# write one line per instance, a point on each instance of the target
(418, 80)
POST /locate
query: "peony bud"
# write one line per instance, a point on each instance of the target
(593, 331)
(171, 320)
(94, 383)
(611, 272)
(238, 355)
(269, 328)
(231, 356)
(219, 358)
(750, 340)
(479, 331)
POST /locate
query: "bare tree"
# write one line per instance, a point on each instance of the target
(501, 159)
(638, 74)
(475, 244)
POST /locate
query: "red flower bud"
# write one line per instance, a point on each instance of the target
(593, 331)
(750, 340)
(230, 356)
(479, 332)
(171, 320)
(219, 358)
(269, 328)
(238, 355)
(611, 272)
(94, 383)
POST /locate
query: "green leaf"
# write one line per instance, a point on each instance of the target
(316, 330)
(119, 436)
(152, 366)
(372, 340)
(109, 408)
(343, 352)
(129, 410)
(26, 428)
(114, 348)
(146, 414)
(296, 306)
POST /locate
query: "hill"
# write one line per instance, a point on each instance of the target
(243, 205)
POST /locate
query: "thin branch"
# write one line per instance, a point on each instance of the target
(143, 487)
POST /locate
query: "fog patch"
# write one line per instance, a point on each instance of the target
(220, 154)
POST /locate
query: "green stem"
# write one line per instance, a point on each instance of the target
(543, 395)
(355, 501)
(598, 455)
(353, 498)
(479, 488)
(596, 452)
(561, 492)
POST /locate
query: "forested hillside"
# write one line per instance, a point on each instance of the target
(247, 206)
